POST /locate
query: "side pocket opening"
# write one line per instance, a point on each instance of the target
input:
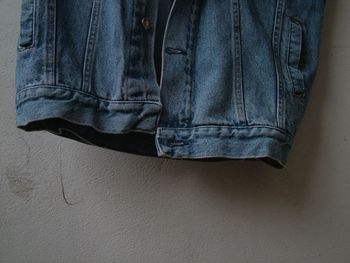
(27, 25)
(294, 58)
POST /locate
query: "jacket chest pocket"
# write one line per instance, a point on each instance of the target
(294, 56)
(27, 24)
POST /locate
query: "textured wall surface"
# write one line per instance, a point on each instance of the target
(63, 201)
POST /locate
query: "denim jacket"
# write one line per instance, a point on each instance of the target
(188, 79)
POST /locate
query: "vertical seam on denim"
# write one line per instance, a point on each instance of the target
(97, 33)
(143, 54)
(135, 48)
(290, 80)
(153, 71)
(238, 82)
(141, 8)
(142, 49)
(186, 111)
(295, 83)
(195, 29)
(56, 72)
(161, 80)
(51, 42)
(126, 37)
(125, 82)
(34, 21)
(183, 120)
(91, 46)
(280, 94)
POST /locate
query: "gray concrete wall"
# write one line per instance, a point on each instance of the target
(63, 201)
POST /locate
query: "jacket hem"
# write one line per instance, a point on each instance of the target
(222, 142)
(108, 116)
(80, 116)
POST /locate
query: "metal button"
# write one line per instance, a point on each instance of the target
(146, 23)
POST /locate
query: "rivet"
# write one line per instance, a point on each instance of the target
(146, 23)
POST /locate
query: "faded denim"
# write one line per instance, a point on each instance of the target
(190, 79)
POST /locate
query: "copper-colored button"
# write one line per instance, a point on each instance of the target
(146, 23)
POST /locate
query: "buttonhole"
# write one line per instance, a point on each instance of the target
(176, 144)
(171, 50)
(298, 93)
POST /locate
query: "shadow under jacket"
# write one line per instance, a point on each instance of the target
(192, 79)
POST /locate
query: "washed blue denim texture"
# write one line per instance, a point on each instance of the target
(184, 79)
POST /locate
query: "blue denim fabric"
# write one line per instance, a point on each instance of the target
(189, 79)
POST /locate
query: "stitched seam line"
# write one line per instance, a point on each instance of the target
(238, 84)
(185, 118)
(90, 46)
(51, 42)
(280, 101)
(85, 94)
(215, 126)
